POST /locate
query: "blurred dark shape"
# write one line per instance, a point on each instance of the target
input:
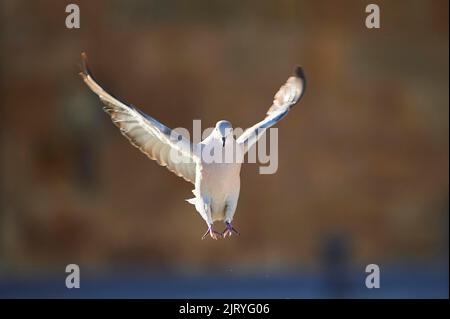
(85, 164)
(81, 130)
(336, 264)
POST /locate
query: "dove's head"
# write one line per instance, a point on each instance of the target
(223, 130)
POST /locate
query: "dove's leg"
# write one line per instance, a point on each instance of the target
(229, 230)
(229, 213)
(206, 214)
(210, 231)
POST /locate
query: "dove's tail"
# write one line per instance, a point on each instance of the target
(193, 201)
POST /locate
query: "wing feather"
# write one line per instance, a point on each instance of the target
(286, 97)
(152, 138)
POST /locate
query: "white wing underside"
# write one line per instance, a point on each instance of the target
(286, 97)
(151, 137)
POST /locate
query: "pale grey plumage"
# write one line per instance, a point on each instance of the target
(217, 184)
(151, 137)
(286, 97)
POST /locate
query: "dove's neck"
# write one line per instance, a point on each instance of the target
(214, 152)
(214, 137)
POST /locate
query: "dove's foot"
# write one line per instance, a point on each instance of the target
(229, 230)
(212, 233)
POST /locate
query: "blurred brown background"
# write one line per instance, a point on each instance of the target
(363, 157)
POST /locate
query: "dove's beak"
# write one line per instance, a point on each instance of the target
(223, 141)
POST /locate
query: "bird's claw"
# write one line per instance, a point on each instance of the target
(212, 233)
(229, 230)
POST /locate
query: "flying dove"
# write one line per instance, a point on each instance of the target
(217, 182)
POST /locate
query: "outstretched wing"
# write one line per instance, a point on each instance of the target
(154, 139)
(287, 96)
